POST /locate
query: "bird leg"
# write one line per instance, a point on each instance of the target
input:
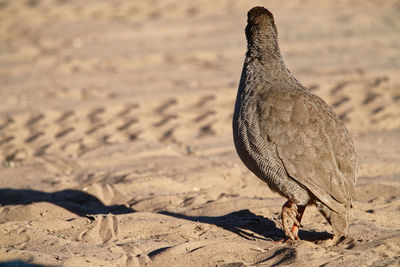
(299, 216)
(290, 210)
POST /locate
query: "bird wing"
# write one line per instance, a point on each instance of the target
(313, 144)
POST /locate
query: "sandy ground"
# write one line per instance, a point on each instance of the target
(116, 143)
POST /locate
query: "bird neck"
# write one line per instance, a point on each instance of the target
(264, 60)
(266, 63)
(262, 42)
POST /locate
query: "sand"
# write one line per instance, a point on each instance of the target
(115, 132)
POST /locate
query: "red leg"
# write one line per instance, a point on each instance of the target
(299, 216)
(289, 210)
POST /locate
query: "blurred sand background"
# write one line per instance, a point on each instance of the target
(115, 132)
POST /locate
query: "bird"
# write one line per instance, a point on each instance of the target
(289, 137)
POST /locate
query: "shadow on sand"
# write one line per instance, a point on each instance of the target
(250, 226)
(78, 202)
(243, 223)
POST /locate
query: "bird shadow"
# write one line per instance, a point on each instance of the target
(250, 226)
(244, 223)
(75, 201)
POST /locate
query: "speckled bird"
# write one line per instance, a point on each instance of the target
(289, 137)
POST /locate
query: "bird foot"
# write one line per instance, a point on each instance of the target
(290, 210)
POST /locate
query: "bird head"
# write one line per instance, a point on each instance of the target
(261, 34)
